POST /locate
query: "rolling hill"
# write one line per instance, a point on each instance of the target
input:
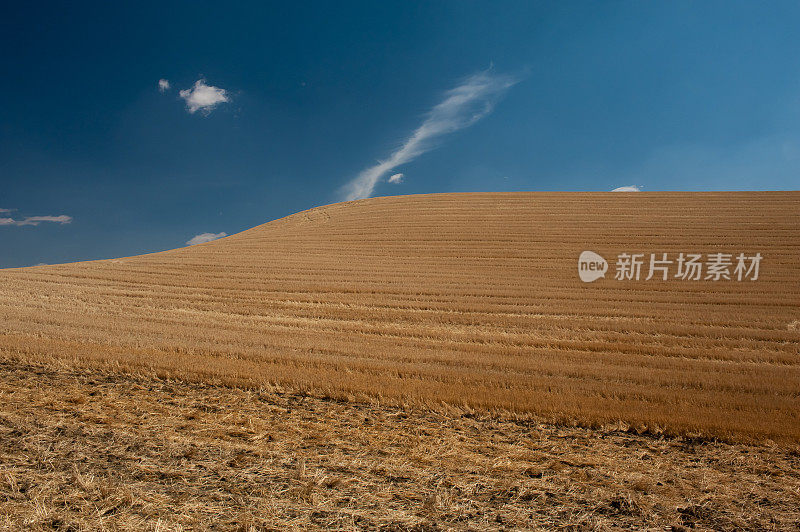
(468, 299)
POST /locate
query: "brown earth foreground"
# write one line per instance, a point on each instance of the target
(469, 299)
(95, 450)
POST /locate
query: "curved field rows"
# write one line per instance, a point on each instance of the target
(471, 299)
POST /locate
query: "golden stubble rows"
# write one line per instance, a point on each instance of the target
(470, 299)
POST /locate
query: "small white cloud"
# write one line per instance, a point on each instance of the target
(163, 85)
(203, 97)
(6, 210)
(627, 188)
(202, 238)
(35, 220)
(41, 264)
(396, 179)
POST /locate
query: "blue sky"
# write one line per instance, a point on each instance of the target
(455, 96)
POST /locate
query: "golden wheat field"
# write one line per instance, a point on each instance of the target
(85, 449)
(472, 300)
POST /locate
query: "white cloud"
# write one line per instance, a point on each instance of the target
(163, 85)
(35, 220)
(202, 238)
(462, 106)
(203, 97)
(6, 210)
(396, 179)
(627, 188)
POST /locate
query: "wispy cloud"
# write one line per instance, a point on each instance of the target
(163, 85)
(627, 188)
(35, 220)
(396, 178)
(461, 107)
(202, 97)
(202, 238)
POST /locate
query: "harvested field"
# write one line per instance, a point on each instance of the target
(96, 450)
(468, 299)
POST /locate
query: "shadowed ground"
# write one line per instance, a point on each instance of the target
(90, 450)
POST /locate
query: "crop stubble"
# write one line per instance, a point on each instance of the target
(468, 299)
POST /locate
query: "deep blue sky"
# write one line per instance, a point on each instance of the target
(664, 95)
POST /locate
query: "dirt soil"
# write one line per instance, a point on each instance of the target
(85, 449)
